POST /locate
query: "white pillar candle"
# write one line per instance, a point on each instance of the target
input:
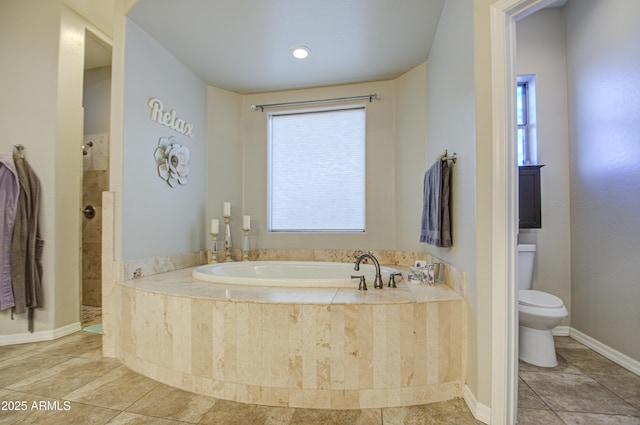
(215, 226)
(226, 209)
(246, 222)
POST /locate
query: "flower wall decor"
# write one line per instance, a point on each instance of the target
(173, 161)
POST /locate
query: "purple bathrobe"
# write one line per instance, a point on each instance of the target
(9, 190)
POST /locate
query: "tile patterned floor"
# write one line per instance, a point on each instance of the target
(68, 381)
(584, 389)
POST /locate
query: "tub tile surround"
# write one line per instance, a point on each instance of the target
(337, 355)
(330, 348)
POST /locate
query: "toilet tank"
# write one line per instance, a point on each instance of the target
(526, 256)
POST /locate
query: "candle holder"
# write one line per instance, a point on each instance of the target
(245, 248)
(227, 239)
(214, 248)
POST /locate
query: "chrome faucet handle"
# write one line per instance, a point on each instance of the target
(392, 279)
(362, 286)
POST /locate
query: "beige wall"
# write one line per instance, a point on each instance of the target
(541, 51)
(226, 175)
(100, 13)
(29, 88)
(604, 64)
(411, 146)
(41, 108)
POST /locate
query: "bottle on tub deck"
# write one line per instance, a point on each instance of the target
(424, 273)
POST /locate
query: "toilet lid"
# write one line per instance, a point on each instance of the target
(535, 298)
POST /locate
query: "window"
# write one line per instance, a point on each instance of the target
(525, 120)
(317, 171)
(522, 121)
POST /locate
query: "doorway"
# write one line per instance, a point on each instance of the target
(503, 17)
(96, 101)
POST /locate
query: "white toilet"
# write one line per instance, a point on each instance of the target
(539, 312)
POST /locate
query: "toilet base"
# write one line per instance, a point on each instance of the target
(537, 347)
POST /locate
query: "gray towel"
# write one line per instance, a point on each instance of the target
(436, 220)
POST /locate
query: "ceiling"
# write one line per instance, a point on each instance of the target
(244, 45)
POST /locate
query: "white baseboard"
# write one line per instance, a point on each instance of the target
(24, 338)
(561, 331)
(613, 355)
(480, 411)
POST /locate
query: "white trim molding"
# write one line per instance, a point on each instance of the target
(608, 352)
(50, 335)
(504, 313)
(480, 411)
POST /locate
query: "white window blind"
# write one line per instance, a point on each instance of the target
(317, 171)
(526, 120)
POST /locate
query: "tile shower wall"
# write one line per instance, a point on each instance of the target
(95, 180)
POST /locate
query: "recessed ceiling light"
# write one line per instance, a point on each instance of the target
(300, 52)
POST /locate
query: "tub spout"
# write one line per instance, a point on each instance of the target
(377, 283)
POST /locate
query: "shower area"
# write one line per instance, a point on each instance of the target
(95, 180)
(95, 164)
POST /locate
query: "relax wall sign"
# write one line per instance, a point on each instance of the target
(169, 119)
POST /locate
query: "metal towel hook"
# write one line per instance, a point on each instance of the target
(18, 151)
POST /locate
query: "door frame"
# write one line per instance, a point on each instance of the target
(504, 323)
